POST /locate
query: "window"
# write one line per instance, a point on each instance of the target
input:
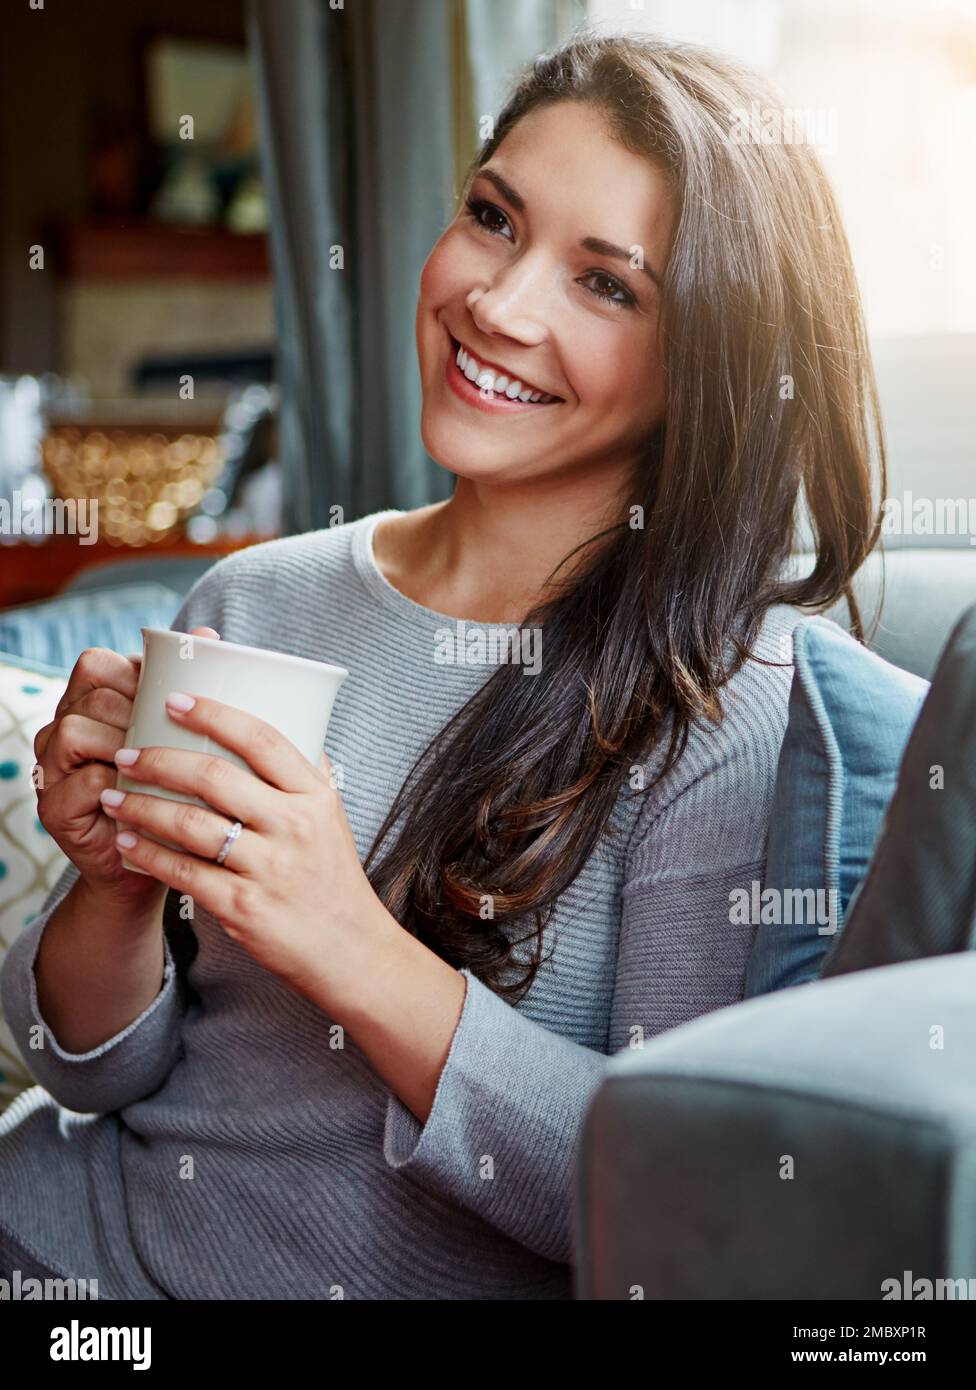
(893, 83)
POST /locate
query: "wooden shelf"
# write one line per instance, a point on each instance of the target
(153, 251)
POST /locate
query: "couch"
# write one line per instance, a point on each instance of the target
(818, 1142)
(808, 1144)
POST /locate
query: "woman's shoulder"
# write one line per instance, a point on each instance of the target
(728, 769)
(266, 584)
(755, 698)
(329, 547)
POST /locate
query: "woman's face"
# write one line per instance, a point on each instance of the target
(513, 282)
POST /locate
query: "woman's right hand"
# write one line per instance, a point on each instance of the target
(75, 754)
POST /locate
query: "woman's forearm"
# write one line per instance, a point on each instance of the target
(399, 1002)
(99, 965)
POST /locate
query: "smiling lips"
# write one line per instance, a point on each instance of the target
(491, 387)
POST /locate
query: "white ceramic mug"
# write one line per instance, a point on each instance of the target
(292, 693)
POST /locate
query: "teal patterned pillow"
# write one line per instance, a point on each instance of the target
(30, 861)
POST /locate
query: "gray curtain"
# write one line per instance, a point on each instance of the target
(369, 113)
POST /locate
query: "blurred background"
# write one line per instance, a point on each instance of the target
(215, 213)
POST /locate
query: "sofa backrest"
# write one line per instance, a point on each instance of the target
(926, 590)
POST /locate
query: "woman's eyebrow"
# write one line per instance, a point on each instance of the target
(589, 243)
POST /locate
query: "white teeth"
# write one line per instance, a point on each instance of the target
(485, 379)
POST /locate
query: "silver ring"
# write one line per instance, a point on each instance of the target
(232, 835)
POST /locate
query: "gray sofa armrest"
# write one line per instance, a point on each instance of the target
(810, 1144)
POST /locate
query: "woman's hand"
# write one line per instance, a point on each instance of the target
(75, 754)
(292, 889)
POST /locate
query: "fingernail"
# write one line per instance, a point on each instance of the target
(125, 839)
(111, 797)
(177, 700)
(127, 756)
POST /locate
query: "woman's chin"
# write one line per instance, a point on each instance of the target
(465, 467)
(461, 452)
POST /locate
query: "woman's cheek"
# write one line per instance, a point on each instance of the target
(431, 278)
(641, 381)
(448, 271)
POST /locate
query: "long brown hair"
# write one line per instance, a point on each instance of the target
(771, 402)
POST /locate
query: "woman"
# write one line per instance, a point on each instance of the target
(367, 1069)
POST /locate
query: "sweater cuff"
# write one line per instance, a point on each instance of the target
(502, 1133)
(406, 1140)
(51, 1043)
(121, 1070)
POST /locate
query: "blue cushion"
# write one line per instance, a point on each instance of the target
(176, 572)
(56, 631)
(919, 895)
(850, 717)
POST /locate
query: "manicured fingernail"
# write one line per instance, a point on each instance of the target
(111, 797)
(127, 756)
(178, 701)
(125, 839)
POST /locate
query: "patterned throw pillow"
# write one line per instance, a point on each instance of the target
(30, 861)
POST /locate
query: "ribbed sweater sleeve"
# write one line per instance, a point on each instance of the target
(502, 1136)
(121, 1070)
(136, 1061)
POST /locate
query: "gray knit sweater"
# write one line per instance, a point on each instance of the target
(221, 1146)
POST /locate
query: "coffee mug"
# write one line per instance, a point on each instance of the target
(292, 693)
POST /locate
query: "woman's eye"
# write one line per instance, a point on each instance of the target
(608, 296)
(477, 207)
(478, 210)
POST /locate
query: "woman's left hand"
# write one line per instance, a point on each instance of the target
(292, 889)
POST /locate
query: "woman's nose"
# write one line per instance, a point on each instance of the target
(496, 318)
(513, 302)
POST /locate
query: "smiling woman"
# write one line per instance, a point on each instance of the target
(538, 302)
(682, 306)
(640, 349)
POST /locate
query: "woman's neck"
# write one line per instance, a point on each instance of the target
(484, 556)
